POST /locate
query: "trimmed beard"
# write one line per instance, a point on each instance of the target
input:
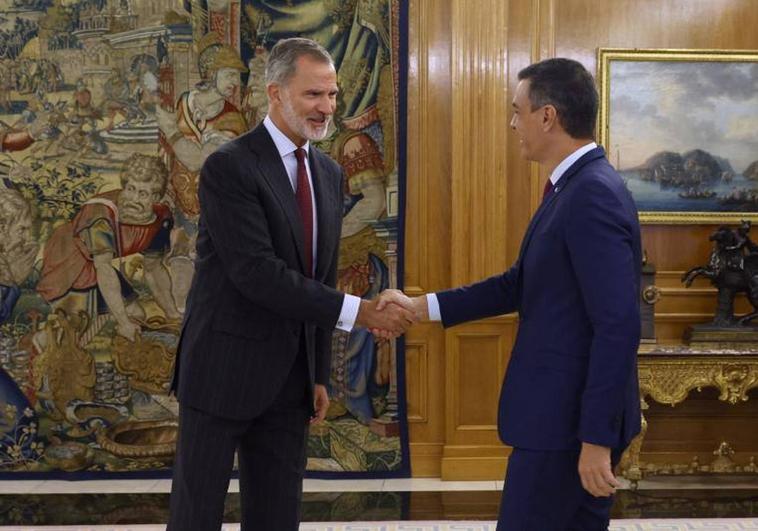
(300, 125)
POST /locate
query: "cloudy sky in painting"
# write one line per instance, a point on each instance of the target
(679, 106)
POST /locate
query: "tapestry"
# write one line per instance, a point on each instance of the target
(108, 109)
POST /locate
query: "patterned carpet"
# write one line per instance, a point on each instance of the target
(722, 524)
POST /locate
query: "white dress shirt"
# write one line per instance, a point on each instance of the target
(286, 149)
(569, 161)
(431, 298)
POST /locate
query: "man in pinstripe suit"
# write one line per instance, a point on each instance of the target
(254, 354)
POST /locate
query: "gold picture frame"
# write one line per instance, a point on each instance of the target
(700, 148)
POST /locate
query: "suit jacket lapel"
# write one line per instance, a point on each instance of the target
(535, 221)
(562, 183)
(273, 171)
(324, 207)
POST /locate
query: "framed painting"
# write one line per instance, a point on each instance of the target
(681, 127)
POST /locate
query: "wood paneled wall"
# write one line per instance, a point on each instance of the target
(470, 196)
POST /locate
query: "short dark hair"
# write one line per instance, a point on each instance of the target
(566, 85)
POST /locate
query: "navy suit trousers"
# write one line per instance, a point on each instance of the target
(543, 492)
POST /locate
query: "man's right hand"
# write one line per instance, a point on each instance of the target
(394, 297)
(595, 470)
(392, 319)
(418, 305)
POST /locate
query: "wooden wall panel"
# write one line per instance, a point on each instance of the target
(470, 196)
(417, 371)
(523, 178)
(480, 133)
(472, 393)
(428, 197)
(425, 385)
(427, 224)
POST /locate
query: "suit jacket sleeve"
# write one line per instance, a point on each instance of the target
(236, 220)
(496, 295)
(599, 235)
(324, 335)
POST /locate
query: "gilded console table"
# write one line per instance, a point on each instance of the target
(668, 374)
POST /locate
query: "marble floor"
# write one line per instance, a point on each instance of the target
(111, 486)
(119, 503)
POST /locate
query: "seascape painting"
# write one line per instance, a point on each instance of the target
(683, 132)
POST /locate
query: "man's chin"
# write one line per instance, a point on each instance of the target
(317, 134)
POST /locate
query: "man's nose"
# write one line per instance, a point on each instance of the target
(326, 106)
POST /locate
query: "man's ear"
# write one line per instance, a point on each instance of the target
(273, 91)
(549, 117)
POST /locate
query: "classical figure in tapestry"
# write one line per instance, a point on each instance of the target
(108, 110)
(77, 272)
(204, 118)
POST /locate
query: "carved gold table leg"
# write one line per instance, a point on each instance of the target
(630, 462)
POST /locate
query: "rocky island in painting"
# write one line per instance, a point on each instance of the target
(684, 133)
(693, 181)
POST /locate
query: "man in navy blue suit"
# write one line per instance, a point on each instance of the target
(569, 404)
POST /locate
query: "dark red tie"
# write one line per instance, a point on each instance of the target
(547, 190)
(305, 205)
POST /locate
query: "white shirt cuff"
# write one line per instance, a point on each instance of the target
(434, 307)
(350, 306)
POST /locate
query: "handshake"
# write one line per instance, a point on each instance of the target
(391, 313)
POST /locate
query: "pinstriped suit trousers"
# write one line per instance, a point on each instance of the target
(271, 450)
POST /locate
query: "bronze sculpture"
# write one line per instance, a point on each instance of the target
(733, 269)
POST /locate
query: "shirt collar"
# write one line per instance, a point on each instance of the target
(569, 161)
(283, 144)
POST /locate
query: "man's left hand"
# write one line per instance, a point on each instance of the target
(320, 403)
(595, 470)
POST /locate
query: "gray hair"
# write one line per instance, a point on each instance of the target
(283, 57)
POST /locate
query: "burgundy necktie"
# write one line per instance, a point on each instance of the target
(547, 190)
(305, 205)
